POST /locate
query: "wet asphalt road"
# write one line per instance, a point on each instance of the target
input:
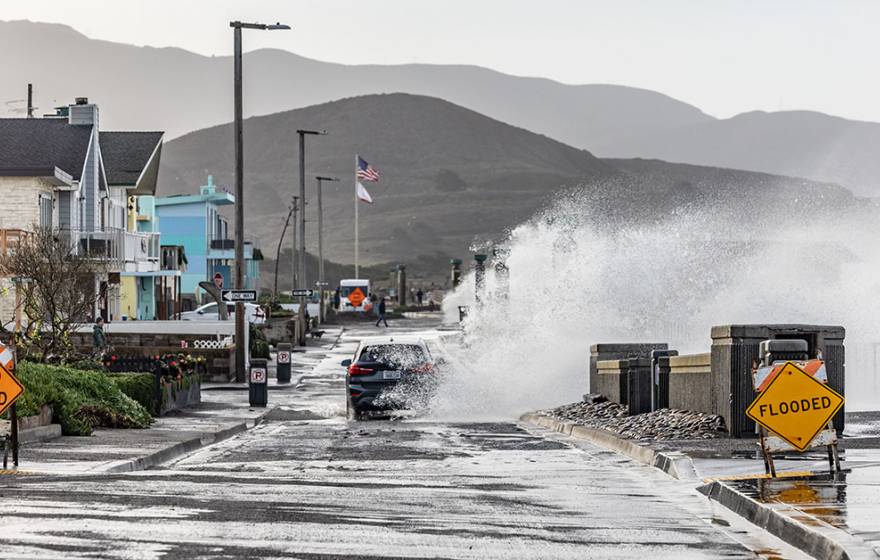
(309, 484)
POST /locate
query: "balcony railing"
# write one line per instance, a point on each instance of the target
(223, 244)
(122, 249)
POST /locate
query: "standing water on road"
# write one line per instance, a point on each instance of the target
(577, 278)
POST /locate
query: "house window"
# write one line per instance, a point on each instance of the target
(45, 211)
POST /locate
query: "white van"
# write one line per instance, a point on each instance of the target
(353, 294)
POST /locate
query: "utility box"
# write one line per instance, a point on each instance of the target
(258, 382)
(736, 349)
(282, 362)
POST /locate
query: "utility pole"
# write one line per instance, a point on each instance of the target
(321, 279)
(278, 250)
(240, 349)
(293, 278)
(303, 284)
(30, 105)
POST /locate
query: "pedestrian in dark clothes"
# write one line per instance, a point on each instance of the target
(381, 311)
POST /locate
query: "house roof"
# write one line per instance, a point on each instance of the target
(35, 147)
(130, 157)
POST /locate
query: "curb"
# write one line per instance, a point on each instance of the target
(839, 546)
(39, 434)
(815, 542)
(181, 448)
(675, 464)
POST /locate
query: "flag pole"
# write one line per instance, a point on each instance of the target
(356, 233)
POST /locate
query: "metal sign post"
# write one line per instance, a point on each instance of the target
(10, 390)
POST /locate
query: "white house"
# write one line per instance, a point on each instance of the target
(62, 171)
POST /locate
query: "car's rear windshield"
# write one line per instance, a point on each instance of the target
(399, 355)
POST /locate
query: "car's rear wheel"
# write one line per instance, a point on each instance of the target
(351, 412)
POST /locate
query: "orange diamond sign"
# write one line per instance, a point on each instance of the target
(795, 406)
(10, 389)
(356, 297)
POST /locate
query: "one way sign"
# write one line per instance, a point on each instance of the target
(240, 295)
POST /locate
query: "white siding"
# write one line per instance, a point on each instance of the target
(21, 201)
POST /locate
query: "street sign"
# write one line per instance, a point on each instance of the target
(283, 357)
(239, 295)
(795, 406)
(10, 389)
(302, 293)
(258, 375)
(356, 297)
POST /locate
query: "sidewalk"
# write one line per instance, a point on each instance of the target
(827, 516)
(223, 412)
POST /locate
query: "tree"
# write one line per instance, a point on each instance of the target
(55, 290)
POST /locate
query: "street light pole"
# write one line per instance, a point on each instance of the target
(240, 350)
(321, 279)
(293, 247)
(303, 283)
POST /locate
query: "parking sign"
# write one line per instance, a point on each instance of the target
(258, 375)
(283, 357)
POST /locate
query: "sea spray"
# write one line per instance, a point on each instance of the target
(577, 278)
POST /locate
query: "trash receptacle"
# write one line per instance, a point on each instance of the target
(282, 362)
(258, 386)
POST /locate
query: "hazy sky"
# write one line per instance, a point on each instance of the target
(724, 56)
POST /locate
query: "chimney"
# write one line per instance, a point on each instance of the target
(82, 112)
(209, 188)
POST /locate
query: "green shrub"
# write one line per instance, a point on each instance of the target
(259, 344)
(80, 400)
(138, 386)
(87, 365)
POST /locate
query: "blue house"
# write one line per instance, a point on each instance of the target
(195, 222)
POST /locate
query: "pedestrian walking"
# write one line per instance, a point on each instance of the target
(99, 338)
(381, 311)
(419, 295)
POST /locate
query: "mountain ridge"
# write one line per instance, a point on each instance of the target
(180, 91)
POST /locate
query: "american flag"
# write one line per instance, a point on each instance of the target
(365, 171)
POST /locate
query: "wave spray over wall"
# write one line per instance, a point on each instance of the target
(577, 278)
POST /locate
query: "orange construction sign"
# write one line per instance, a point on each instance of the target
(10, 389)
(356, 297)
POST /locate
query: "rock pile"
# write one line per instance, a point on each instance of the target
(662, 424)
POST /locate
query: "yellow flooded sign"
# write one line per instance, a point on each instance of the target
(10, 389)
(795, 406)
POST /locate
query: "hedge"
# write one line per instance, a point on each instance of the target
(80, 400)
(138, 386)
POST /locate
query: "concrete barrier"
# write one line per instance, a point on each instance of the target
(611, 380)
(735, 351)
(617, 351)
(690, 382)
(638, 385)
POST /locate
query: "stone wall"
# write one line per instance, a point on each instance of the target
(611, 380)
(690, 382)
(617, 351)
(735, 351)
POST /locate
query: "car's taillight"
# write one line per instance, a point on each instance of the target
(424, 368)
(355, 369)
